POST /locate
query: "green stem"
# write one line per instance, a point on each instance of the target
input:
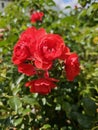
(94, 128)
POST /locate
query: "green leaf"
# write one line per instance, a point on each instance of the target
(85, 121)
(15, 103)
(17, 121)
(29, 100)
(46, 127)
(68, 7)
(20, 78)
(50, 3)
(89, 106)
(82, 13)
(66, 107)
(26, 111)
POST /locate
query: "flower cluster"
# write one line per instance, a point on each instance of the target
(36, 16)
(34, 54)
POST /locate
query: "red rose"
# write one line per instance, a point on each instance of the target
(32, 33)
(30, 36)
(48, 48)
(41, 86)
(72, 66)
(36, 16)
(21, 52)
(25, 47)
(27, 69)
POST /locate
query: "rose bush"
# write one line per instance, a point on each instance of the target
(61, 104)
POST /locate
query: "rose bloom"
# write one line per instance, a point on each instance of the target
(41, 86)
(48, 48)
(21, 52)
(36, 16)
(24, 48)
(30, 36)
(72, 66)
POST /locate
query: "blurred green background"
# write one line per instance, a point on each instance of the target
(73, 105)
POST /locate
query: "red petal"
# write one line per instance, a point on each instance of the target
(43, 65)
(27, 69)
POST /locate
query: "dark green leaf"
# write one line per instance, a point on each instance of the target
(89, 106)
(15, 103)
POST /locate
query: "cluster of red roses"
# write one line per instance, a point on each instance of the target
(35, 52)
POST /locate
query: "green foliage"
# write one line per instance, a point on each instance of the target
(73, 105)
(84, 2)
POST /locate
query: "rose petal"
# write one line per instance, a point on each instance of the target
(27, 69)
